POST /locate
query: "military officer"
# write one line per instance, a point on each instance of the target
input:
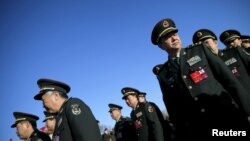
(146, 121)
(231, 38)
(75, 120)
(208, 39)
(124, 127)
(236, 59)
(167, 126)
(197, 87)
(50, 121)
(245, 42)
(26, 127)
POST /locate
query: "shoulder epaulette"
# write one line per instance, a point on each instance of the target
(157, 68)
(194, 45)
(247, 53)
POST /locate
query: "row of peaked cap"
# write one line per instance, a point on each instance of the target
(166, 26)
(46, 85)
(225, 37)
(21, 116)
(126, 91)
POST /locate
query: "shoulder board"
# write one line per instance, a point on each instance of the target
(194, 45)
(157, 68)
(247, 53)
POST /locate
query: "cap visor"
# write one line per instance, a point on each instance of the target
(13, 125)
(39, 96)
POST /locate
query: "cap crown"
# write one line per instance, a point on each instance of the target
(20, 116)
(203, 34)
(229, 35)
(114, 107)
(161, 29)
(129, 91)
(245, 37)
(50, 85)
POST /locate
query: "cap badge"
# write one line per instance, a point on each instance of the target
(165, 24)
(199, 34)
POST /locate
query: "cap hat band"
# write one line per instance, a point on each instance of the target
(20, 119)
(47, 88)
(54, 88)
(49, 117)
(230, 38)
(245, 40)
(207, 36)
(164, 31)
(130, 92)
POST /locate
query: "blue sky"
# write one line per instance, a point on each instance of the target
(97, 47)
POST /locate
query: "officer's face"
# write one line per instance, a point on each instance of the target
(211, 44)
(22, 130)
(115, 114)
(131, 100)
(50, 123)
(142, 99)
(245, 44)
(235, 43)
(170, 43)
(49, 102)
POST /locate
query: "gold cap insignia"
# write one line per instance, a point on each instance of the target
(165, 24)
(199, 34)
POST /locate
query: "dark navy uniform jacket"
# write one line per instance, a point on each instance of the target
(39, 136)
(147, 123)
(124, 130)
(167, 129)
(238, 61)
(247, 50)
(201, 92)
(75, 122)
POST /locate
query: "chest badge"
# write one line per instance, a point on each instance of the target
(199, 75)
(193, 60)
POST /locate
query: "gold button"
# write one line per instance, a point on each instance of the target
(196, 98)
(190, 87)
(184, 76)
(202, 110)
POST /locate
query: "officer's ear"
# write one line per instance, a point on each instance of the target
(216, 42)
(57, 95)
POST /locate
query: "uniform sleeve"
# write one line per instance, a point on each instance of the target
(228, 80)
(154, 122)
(81, 121)
(245, 57)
